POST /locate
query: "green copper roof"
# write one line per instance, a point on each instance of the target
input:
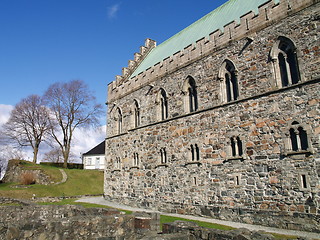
(217, 19)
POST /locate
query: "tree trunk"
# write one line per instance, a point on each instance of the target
(65, 160)
(35, 154)
(66, 157)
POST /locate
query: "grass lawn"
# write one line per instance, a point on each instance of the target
(80, 182)
(86, 205)
(166, 219)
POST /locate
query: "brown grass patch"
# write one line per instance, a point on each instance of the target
(28, 178)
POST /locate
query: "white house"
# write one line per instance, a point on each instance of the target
(95, 158)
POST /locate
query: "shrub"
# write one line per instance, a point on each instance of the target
(28, 178)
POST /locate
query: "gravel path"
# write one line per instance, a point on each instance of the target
(102, 201)
(64, 177)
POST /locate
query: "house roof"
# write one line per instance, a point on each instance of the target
(99, 149)
(217, 19)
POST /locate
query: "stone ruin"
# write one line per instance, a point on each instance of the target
(24, 220)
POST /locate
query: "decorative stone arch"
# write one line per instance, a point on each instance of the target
(193, 152)
(190, 95)
(284, 62)
(117, 163)
(135, 154)
(136, 114)
(118, 119)
(163, 156)
(229, 85)
(162, 105)
(235, 146)
(297, 138)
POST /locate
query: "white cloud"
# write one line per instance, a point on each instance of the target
(86, 139)
(5, 111)
(113, 10)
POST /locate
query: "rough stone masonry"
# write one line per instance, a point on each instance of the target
(227, 127)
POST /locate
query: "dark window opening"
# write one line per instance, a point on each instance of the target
(228, 88)
(294, 141)
(192, 152)
(283, 70)
(119, 121)
(304, 181)
(239, 143)
(288, 63)
(163, 104)
(163, 155)
(135, 159)
(237, 180)
(303, 138)
(192, 95)
(136, 114)
(233, 147)
(197, 152)
(231, 82)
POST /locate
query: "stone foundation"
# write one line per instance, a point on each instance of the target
(24, 220)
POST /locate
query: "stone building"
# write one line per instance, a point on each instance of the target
(222, 119)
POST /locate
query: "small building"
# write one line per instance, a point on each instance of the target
(95, 158)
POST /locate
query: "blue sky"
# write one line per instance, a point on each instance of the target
(45, 41)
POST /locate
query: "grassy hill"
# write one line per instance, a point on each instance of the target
(80, 182)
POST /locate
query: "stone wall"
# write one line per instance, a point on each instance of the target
(268, 181)
(23, 220)
(72, 222)
(193, 231)
(16, 169)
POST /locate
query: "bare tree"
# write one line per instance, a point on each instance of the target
(72, 105)
(54, 155)
(3, 166)
(28, 124)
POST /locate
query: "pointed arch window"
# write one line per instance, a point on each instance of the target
(229, 81)
(119, 121)
(190, 95)
(136, 113)
(162, 103)
(285, 63)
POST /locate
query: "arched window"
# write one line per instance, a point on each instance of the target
(162, 103)
(298, 137)
(190, 95)
(136, 113)
(236, 147)
(119, 121)
(135, 159)
(163, 156)
(117, 163)
(285, 63)
(194, 152)
(229, 81)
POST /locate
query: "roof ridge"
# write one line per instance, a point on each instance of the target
(226, 13)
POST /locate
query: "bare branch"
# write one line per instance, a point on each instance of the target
(72, 105)
(28, 124)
